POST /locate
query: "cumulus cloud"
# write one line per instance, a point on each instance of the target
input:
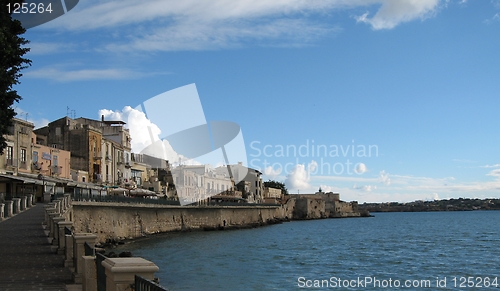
(299, 178)
(384, 178)
(271, 172)
(394, 12)
(146, 136)
(142, 131)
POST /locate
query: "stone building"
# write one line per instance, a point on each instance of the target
(17, 156)
(101, 149)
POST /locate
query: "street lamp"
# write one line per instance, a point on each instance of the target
(41, 177)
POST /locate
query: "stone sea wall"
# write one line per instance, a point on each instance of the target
(118, 221)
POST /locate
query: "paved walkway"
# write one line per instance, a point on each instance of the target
(26, 260)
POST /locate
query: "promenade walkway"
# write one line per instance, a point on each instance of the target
(26, 259)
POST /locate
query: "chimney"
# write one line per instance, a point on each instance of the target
(102, 118)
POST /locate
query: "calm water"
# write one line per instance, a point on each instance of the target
(390, 247)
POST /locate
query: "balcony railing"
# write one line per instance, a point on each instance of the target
(11, 163)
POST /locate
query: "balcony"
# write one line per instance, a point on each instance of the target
(10, 163)
(97, 178)
(128, 165)
(37, 166)
(97, 156)
(109, 158)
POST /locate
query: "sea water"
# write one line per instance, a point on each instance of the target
(408, 251)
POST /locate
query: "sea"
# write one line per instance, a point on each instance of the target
(390, 251)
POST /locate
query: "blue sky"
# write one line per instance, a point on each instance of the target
(417, 80)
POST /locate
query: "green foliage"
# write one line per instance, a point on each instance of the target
(277, 185)
(11, 63)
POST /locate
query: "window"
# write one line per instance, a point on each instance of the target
(10, 153)
(35, 157)
(23, 155)
(56, 162)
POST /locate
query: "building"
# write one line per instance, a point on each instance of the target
(17, 156)
(247, 180)
(28, 167)
(100, 150)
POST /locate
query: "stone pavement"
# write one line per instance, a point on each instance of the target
(26, 259)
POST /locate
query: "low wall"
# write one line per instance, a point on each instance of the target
(128, 221)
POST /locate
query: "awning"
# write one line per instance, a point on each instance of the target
(9, 178)
(84, 185)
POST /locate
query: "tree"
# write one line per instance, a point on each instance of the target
(277, 185)
(11, 63)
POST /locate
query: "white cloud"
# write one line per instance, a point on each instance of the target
(298, 179)
(42, 48)
(384, 178)
(493, 19)
(83, 75)
(491, 166)
(142, 131)
(494, 173)
(146, 135)
(395, 12)
(166, 25)
(272, 173)
(366, 188)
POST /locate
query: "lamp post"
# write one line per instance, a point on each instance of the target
(41, 177)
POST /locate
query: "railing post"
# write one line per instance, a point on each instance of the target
(50, 222)
(55, 234)
(23, 203)
(69, 261)
(79, 239)
(29, 200)
(120, 272)
(62, 239)
(89, 274)
(8, 208)
(17, 205)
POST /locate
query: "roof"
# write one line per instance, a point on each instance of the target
(25, 180)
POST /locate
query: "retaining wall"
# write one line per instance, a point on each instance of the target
(119, 221)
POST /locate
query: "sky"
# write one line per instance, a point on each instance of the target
(378, 100)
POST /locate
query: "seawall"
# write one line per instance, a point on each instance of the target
(128, 221)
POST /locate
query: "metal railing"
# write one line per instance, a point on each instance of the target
(143, 284)
(89, 250)
(101, 272)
